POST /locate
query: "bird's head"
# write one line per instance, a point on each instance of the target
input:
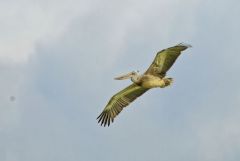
(127, 76)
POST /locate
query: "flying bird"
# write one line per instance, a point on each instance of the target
(154, 77)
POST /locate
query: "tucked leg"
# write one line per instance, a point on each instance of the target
(167, 82)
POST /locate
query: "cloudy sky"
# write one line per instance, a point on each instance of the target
(58, 60)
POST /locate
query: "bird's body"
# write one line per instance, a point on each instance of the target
(151, 81)
(154, 77)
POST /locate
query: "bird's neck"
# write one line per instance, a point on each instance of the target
(136, 79)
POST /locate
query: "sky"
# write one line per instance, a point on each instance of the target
(57, 64)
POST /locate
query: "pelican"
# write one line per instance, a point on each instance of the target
(154, 77)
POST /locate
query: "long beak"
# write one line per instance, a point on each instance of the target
(126, 76)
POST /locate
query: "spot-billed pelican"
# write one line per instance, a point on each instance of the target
(152, 78)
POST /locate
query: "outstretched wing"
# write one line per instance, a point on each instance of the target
(165, 59)
(118, 102)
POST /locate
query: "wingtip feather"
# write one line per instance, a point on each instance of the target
(185, 44)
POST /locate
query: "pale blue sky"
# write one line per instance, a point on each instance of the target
(58, 58)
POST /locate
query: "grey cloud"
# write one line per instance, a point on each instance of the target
(68, 80)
